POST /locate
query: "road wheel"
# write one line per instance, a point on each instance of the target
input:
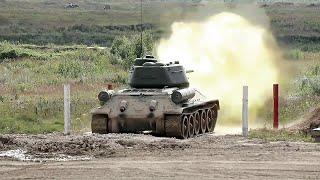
(184, 127)
(203, 122)
(210, 120)
(191, 125)
(197, 120)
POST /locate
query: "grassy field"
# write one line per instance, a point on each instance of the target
(42, 22)
(44, 45)
(31, 98)
(279, 135)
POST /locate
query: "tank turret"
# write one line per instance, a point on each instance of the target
(159, 99)
(149, 73)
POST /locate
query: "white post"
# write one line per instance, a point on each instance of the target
(245, 112)
(67, 116)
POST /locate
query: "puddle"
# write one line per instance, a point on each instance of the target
(21, 155)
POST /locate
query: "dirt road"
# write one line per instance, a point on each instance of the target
(147, 157)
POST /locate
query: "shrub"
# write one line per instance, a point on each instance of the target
(70, 68)
(11, 51)
(148, 44)
(8, 54)
(310, 83)
(294, 54)
(123, 48)
(32, 100)
(128, 50)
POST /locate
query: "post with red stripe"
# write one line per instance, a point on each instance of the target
(276, 106)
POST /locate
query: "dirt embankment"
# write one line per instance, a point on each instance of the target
(309, 122)
(93, 145)
(122, 145)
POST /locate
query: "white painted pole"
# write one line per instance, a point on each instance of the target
(245, 112)
(67, 116)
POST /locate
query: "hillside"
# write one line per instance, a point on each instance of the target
(42, 22)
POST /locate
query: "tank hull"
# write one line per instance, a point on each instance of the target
(167, 118)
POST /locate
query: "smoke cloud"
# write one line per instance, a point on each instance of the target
(226, 52)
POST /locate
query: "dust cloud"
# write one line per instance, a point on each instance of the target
(226, 51)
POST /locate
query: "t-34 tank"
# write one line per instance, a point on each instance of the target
(159, 100)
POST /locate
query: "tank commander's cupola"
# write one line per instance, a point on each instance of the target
(141, 61)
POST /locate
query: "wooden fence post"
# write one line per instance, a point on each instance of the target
(67, 116)
(245, 112)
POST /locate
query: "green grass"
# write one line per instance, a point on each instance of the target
(43, 114)
(31, 91)
(31, 96)
(309, 83)
(279, 135)
(299, 90)
(294, 54)
(38, 22)
(27, 68)
(42, 22)
(42, 48)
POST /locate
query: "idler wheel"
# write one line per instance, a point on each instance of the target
(210, 120)
(197, 120)
(203, 121)
(184, 127)
(191, 125)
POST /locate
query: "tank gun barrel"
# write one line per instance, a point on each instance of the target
(189, 71)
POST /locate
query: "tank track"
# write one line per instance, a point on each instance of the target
(191, 122)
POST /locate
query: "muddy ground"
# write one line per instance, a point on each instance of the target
(137, 156)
